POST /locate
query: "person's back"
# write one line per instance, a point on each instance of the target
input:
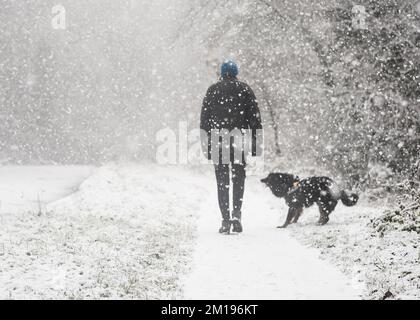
(229, 105)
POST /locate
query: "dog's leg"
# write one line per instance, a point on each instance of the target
(297, 215)
(326, 210)
(324, 216)
(289, 218)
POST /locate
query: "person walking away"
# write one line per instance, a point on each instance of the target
(230, 106)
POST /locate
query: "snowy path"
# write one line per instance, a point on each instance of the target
(261, 263)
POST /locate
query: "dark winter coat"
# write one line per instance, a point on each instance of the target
(230, 104)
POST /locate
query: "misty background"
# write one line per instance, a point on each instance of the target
(338, 87)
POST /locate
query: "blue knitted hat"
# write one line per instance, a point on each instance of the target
(229, 68)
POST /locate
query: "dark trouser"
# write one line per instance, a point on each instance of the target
(223, 184)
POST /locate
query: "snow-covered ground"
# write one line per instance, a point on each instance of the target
(263, 262)
(388, 263)
(31, 187)
(127, 233)
(150, 232)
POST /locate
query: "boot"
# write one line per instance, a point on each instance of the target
(237, 225)
(225, 229)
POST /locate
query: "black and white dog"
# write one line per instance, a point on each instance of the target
(300, 194)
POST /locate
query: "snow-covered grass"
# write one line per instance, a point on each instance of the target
(126, 234)
(386, 263)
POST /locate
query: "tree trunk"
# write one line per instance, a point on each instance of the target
(273, 121)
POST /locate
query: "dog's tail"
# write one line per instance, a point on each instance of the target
(349, 200)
